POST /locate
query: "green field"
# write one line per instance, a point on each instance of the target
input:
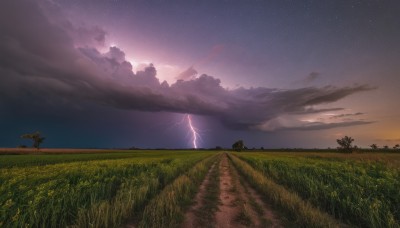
(155, 188)
(357, 189)
(101, 190)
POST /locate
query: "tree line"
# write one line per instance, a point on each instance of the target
(345, 145)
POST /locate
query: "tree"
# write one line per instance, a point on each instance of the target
(397, 146)
(345, 144)
(238, 145)
(386, 147)
(36, 137)
(374, 146)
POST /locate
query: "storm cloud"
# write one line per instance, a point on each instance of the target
(347, 115)
(45, 59)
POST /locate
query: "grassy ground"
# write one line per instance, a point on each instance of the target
(47, 156)
(92, 191)
(168, 208)
(359, 189)
(296, 208)
(107, 188)
(206, 213)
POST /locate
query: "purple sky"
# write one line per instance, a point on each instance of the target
(122, 73)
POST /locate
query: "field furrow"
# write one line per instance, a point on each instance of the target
(202, 212)
(90, 193)
(298, 210)
(199, 189)
(226, 200)
(361, 193)
(167, 209)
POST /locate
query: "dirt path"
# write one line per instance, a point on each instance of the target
(258, 212)
(241, 206)
(229, 209)
(236, 203)
(200, 214)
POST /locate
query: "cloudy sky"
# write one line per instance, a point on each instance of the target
(119, 73)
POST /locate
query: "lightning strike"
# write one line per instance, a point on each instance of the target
(193, 130)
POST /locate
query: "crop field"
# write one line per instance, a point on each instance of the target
(199, 189)
(357, 189)
(94, 192)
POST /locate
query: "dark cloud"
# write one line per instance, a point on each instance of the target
(347, 115)
(115, 54)
(288, 122)
(312, 110)
(313, 76)
(82, 34)
(332, 94)
(92, 35)
(40, 62)
(324, 126)
(189, 74)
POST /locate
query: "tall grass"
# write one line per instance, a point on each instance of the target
(49, 157)
(302, 212)
(92, 193)
(205, 215)
(167, 209)
(363, 193)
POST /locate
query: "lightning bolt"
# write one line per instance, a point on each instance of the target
(193, 130)
(187, 119)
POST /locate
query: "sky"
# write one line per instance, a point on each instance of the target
(132, 73)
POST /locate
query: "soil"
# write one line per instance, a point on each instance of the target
(192, 218)
(228, 208)
(261, 213)
(239, 204)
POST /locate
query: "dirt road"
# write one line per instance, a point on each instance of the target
(235, 204)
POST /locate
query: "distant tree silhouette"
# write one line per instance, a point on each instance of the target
(36, 137)
(374, 146)
(238, 145)
(345, 144)
(397, 146)
(386, 147)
